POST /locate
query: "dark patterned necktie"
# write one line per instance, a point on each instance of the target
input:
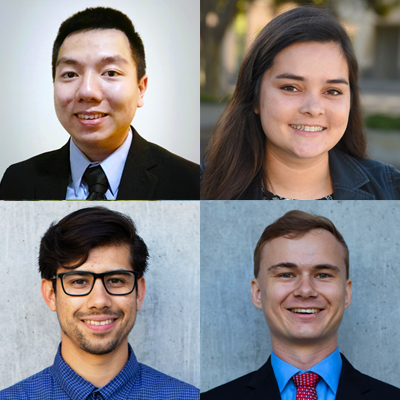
(97, 183)
(306, 386)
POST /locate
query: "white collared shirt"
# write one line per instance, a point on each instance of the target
(113, 166)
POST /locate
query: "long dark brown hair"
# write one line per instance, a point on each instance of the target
(235, 155)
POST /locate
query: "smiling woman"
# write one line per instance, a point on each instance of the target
(293, 129)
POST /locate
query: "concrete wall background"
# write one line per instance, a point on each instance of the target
(170, 116)
(234, 335)
(166, 335)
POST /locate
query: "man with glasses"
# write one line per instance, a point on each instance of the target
(92, 264)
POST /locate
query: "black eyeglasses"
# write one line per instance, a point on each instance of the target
(80, 283)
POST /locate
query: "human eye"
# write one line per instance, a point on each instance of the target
(286, 275)
(116, 281)
(289, 88)
(111, 73)
(323, 275)
(79, 282)
(69, 75)
(334, 92)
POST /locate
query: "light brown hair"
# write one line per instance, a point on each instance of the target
(295, 224)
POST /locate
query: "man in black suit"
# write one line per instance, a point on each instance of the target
(99, 67)
(301, 268)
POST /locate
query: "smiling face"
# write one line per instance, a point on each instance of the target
(98, 323)
(304, 101)
(302, 289)
(96, 92)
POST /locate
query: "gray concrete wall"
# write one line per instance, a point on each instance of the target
(166, 335)
(234, 335)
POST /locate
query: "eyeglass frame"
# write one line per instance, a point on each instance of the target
(96, 276)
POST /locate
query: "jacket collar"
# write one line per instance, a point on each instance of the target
(137, 181)
(347, 177)
(263, 383)
(352, 384)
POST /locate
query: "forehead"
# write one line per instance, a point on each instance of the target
(106, 258)
(314, 248)
(96, 44)
(311, 60)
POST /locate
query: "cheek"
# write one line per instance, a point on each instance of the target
(63, 96)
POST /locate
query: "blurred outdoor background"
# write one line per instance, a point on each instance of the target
(227, 28)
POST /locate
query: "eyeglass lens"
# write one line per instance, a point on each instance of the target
(116, 283)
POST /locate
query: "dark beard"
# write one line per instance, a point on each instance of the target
(106, 346)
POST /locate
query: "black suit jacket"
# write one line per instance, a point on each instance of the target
(262, 385)
(150, 173)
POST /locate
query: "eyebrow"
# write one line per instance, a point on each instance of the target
(104, 60)
(302, 79)
(290, 265)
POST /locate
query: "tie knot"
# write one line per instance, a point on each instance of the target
(97, 182)
(309, 379)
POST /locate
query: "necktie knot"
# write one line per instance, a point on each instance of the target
(97, 182)
(306, 385)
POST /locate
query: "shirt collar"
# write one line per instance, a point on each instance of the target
(78, 388)
(328, 369)
(113, 165)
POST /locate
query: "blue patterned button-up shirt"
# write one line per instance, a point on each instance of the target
(135, 382)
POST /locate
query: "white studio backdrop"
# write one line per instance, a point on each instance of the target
(170, 116)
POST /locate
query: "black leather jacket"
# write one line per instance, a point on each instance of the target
(352, 179)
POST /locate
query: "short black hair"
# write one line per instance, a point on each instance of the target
(68, 243)
(101, 18)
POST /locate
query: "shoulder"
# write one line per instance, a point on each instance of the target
(353, 381)
(380, 180)
(19, 179)
(167, 159)
(36, 164)
(161, 386)
(35, 387)
(232, 390)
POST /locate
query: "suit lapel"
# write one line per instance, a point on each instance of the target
(352, 384)
(53, 175)
(263, 384)
(137, 181)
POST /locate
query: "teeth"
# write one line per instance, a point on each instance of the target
(107, 321)
(308, 128)
(305, 310)
(93, 116)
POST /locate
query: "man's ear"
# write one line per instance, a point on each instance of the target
(256, 293)
(348, 294)
(140, 292)
(48, 293)
(142, 87)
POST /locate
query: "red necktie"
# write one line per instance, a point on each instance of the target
(306, 386)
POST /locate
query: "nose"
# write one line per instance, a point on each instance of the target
(89, 89)
(305, 288)
(312, 105)
(98, 297)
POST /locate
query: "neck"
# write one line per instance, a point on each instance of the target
(304, 179)
(96, 369)
(303, 356)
